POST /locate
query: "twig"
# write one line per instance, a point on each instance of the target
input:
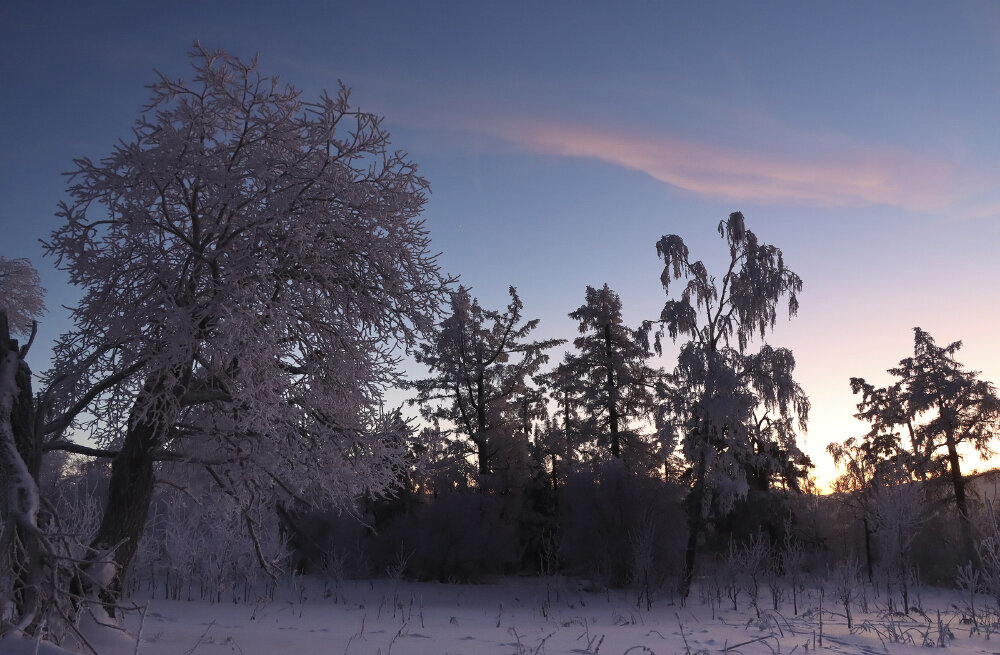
(142, 622)
(687, 647)
(203, 635)
(744, 643)
(398, 634)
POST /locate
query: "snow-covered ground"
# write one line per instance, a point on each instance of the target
(521, 616)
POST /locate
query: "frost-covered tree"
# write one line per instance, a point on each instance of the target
(252, 264)
(942, 406)
(481, 364)
(876, 463)
(609, 363)
(873, 468)
(733, 412)
(21, 303)
(20, 537)
(24, 551)
(21, 294)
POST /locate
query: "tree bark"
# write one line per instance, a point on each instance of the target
(130, 492)
(568, 457)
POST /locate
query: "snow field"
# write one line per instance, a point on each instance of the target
(524, 616)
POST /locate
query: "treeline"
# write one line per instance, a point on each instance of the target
(604, 467)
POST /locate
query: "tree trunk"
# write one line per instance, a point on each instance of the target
(958, 482)
(483, 457)
(915, 446)
(695, 524)
(30, 598)
(130, 492)
(26, 435)
(616, 447)
(568, 458)
(129, 497)
(483, 447)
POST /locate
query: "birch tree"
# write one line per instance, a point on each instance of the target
(731, 411)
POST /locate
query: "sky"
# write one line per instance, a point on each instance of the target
(563, 139)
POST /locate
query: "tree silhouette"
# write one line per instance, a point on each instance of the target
(482, 365)
(732, 411)
(614, 383)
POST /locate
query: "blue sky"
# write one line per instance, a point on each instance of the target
(562, 139)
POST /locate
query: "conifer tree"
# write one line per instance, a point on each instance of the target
(615, 385)
(563, 433)
(938, 406)
(481, 364)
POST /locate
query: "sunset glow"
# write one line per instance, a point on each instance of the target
(854, 179)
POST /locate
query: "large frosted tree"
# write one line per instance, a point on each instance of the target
(734, 412)
(251, 263)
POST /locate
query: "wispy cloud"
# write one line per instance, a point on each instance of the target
(768, 161)
(858, 177)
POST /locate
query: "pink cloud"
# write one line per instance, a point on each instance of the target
(859, 177)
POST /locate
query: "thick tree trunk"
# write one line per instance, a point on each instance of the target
(129, 496)
(130, 492)
(30, 598)
(26, 435)
(483, 457)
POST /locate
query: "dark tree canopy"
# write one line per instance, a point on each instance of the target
(919, 422)
(482, 364)
(613, 381)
